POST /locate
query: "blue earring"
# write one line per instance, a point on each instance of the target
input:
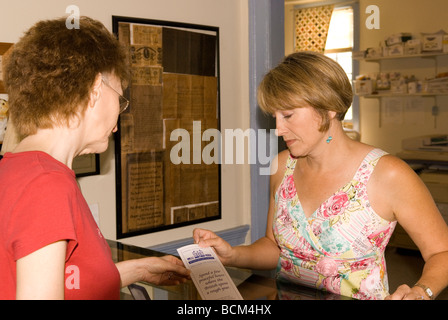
(329, 139)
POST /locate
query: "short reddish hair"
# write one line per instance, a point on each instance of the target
(51, 71)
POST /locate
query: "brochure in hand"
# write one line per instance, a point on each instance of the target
(208, 273)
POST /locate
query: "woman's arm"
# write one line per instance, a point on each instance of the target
(41, 274)
(412, 205)
(263, 254)
(260, 255)
(166, 270)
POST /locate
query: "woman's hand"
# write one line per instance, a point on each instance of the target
(404, 292)
(165, 271)
(207, 238)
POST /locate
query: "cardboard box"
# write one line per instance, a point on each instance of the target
(398, 38)
(363, 87)
(396, 50)
(432, 41)
(413, 47)
(438, 85)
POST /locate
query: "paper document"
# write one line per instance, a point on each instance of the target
(208, 273)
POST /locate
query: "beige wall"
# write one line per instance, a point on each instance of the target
(231, 16)
(414, 16)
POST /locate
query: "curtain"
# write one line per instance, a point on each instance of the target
(311, 28)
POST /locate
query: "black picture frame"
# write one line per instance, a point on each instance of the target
(174, 195)
(86, 165)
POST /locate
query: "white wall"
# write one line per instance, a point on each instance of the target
(231, 16)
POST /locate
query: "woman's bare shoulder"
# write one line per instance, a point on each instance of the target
(390, 166)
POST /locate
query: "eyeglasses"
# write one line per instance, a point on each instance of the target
(124, 103)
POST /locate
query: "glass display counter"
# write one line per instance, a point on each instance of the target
(252, 285)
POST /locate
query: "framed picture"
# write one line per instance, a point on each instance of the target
(167, 171)
(4, 47)
(86, 165)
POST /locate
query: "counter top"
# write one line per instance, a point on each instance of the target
(252, 285)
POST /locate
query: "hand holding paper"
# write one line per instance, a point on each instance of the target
(208, 273)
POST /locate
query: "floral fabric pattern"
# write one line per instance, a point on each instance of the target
(340, 247)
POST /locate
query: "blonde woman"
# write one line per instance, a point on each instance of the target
(334, 201)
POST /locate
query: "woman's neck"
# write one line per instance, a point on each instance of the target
(57, 142)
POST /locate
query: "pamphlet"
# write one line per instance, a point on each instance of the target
(208, 273)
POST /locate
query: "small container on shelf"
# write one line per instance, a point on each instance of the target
(363, 87)
(433, 42)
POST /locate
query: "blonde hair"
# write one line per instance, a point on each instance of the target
(308, 77)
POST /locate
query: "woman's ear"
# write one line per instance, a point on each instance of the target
(95, 92)
(332, 114)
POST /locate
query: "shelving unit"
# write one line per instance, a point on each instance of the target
(434, 56)
(387, 94)
(421, 55)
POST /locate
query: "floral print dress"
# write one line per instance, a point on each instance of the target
(340, 247)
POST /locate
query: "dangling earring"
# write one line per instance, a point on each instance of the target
(331, 114)
(330, 137)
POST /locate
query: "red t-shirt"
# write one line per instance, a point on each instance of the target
(41, 203)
